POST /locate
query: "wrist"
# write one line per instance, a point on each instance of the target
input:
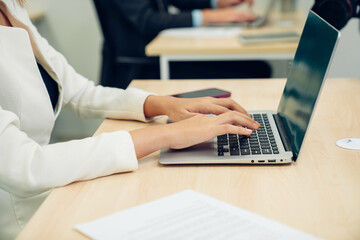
(156, 105)
(208, 16)
(150, 139)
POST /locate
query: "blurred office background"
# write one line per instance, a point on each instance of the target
(73, 29)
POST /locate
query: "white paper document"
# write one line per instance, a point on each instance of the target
(202, 32)
(187, 215)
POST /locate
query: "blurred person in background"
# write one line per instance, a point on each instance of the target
(129, 25)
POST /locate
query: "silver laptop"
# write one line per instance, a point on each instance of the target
(258, 22)
(282, 133)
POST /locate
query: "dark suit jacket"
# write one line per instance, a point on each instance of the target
(128, 26)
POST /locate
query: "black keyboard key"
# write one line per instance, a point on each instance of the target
(234, 146)
(266, 151)
(234, 151)
(245, 152)
(261, 141)
(256, 152)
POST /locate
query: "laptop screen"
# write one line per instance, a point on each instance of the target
(308, 70)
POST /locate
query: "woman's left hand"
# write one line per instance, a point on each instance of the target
(182, 108)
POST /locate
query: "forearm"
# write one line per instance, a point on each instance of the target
(156, 105)
(150, 139)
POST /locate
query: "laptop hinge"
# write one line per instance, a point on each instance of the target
(283, 135)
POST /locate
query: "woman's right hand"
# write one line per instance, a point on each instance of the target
(226, 15)
(191, 131)
(201, 128)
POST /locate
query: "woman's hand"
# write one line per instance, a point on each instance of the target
(226, 15)
(182, 108)
(201, 128)
(231, 3)
(191, 131)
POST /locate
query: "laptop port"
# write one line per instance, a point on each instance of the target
(261, 161)
(272, 161)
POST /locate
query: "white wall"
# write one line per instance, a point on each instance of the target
(72, 28)
(346, 62)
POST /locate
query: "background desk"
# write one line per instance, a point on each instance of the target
(207, 49)
(320, 194)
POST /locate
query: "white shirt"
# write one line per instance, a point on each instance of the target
(29, 166)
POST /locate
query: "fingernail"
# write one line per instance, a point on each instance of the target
(256, 124)
(249, 131)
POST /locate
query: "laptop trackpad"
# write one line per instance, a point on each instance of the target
(197, 153)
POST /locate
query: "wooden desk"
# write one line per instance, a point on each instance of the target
(207, 49)
(320, 194)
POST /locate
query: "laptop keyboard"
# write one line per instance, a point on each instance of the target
(261, 141)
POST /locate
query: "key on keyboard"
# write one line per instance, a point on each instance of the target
(261, 141)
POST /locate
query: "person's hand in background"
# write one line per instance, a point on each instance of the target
(232, 3)
(226, 15)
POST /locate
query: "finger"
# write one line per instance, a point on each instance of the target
(230, 104)
(214, 109)
(228, 128)
(239, 119)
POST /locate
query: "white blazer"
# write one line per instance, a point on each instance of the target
(29, 166)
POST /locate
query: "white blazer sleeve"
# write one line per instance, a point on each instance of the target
(28, 168)
(86, 99)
